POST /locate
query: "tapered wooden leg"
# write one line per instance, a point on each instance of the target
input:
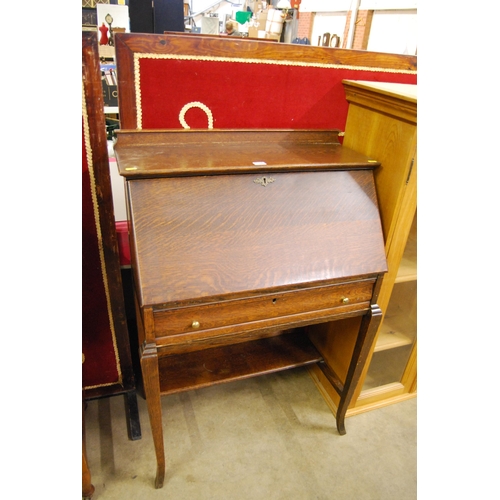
(366, 335)
(87, 486)
(151, 381)
(132, 412)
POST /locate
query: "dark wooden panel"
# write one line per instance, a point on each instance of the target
(141, 16)
(352, 64)
(216, 235)
(225, 47)
(168, 15)
(151, 154)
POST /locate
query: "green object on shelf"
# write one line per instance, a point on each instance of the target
(243, 17)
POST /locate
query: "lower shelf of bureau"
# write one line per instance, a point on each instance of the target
(182, 372)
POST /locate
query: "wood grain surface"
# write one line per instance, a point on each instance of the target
(215, 235)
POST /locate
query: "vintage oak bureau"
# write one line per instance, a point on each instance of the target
(241, 242)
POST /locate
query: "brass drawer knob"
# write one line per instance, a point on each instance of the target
(345, 300)
(195, 324)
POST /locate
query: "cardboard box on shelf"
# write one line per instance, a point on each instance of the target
(273, 36)
(106, 52)
(262, 16)
(253, 29)
(256, 6)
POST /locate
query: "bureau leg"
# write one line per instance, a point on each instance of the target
(132, 412)
(151, 381)
(87, 486)
(366, 335)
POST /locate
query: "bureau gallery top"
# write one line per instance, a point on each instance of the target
(228, 213)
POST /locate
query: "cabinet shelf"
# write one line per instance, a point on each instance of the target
(387, 367)
(399, 327)
(407, 271)
(408, 267)
(198, 369)
(391, 336)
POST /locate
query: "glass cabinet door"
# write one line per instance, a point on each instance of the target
(398, 332)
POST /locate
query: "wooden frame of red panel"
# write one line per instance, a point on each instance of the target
(172, 81)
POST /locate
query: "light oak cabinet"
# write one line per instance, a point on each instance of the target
(382, 124)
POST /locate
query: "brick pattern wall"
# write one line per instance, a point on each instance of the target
(346, 30)
(304, 27)
(361, 29)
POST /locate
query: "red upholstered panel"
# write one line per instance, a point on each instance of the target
(123, 245)
(101, 365)
(263, 94)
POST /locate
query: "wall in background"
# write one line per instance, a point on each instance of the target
(381, 25)
(328, 22)
(384, 30)
(402, 27)
(345, 5)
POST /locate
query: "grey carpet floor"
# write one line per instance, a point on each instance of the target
(268, 438)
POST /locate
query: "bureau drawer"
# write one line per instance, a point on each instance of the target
(268, 310)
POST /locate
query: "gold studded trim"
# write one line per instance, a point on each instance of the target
(139, 56)
(195, 104)
(93, 190)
